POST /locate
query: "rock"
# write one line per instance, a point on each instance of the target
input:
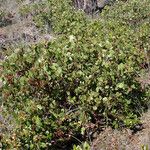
(90, 6)
(102, 3)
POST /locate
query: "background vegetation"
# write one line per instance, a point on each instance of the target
(60, 92)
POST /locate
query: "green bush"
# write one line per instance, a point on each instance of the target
(58, 91)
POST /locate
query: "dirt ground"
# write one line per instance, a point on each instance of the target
(125, 139)
(16, 30)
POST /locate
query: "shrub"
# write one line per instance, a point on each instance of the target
(61, 90)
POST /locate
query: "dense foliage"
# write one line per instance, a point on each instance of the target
(87, 77)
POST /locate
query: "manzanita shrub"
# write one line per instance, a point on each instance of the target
(63, 90)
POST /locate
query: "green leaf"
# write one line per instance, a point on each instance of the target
(121, 85)
(39, 107)
(94, 108)
(38, 121)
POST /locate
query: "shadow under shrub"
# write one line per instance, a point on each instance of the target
(59, 90)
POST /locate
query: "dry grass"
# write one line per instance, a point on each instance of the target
(20, 30)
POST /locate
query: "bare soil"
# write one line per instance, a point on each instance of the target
(125, 139)
(16, 30)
